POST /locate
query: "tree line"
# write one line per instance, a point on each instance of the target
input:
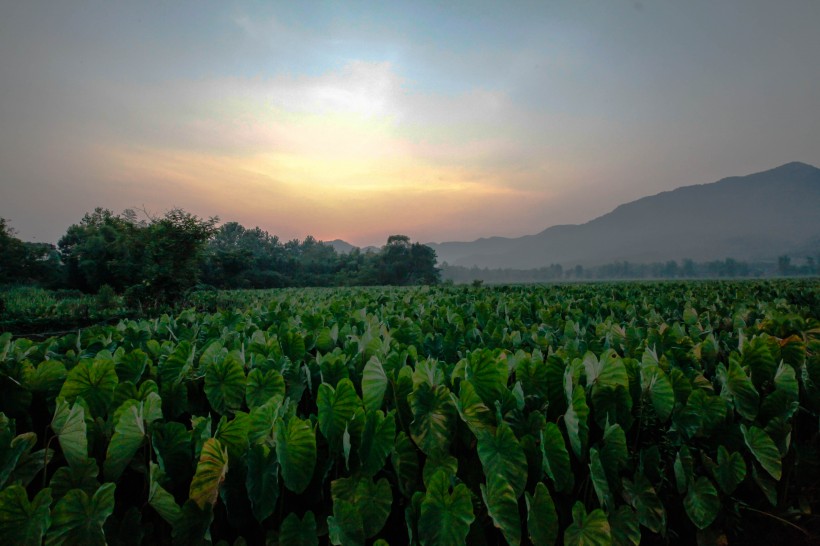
(155, 260)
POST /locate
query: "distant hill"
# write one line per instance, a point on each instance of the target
(343, 247)
(755, 218)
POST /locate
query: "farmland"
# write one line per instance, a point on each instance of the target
(618, 413)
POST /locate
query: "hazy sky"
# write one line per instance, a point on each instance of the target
(360, 120)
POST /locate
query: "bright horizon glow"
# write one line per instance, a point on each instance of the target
(357, 122)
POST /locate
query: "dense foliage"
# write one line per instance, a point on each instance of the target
(582, 414)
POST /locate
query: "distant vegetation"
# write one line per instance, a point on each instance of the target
(155, 261)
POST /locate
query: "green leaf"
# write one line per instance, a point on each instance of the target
(372, 499)
(9, 456)
(210, 473)
(556, 458)
(78, 519)
(336, 408)
(296, 532)
(445, 515)
(624, 527)
(757, 356)
(702, 413)
(129, 432)
(473, 410)
(406, 464)
(576, 420)
(296, 451)
(345, 526)
(82, 476)
(730, 470)
(701, 502)
(502, 455)
(643, 498)
(433, 419)
(738, 387)
(614, 453)
(542, 520)
(587, 529)
(502, 506)
(374, 384)
(655, 382)
(192, 524)
(172, 445)
(94, 381)
(784, 401)
(69, 425)
(599, 480)
(160, 499)
(488, 374)
(378, 436)
(24, 523)
(130, 366)
(172, 369)
(225, 384)
(263, 386)
(262, 481)
(49, 376)
(234, 434)
(764, 450)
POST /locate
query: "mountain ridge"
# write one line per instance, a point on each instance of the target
(753, 217)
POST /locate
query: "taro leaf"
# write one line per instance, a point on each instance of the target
(576, 420)
(225, 384)
(684, 469)
(488, 374)
(432, 465)
(542, 520)
(130, 366)
(655, 382)
(82, 476)
(556, 458)
(192, 524)
(763, 449)
(172, 369)
(757, 356)
(626, 530)
(11, 453)
(372, 499)
(24, 523)
(599, 480)
(612, 404)
(160, 499)
(378, 436)
(345, 526)
(296, 532)
(263, 386)
(433, 418)
(702, 413)
(701, 502)
(738, 387)
(129, 432)
(324, 340)
(641, 495)
(502, 455)
(234, 434)
(784, 401)
(262, 481)
(730, 470)
(296, 451)
(614, 453)
(445, 516)
(210, 473)
(94, 381)
(336, 408)
(473, 410)
(261, 422)
(406, 464)
(767, 485)
(212, 354)
(69, 425)
(502, 506)
(78, 519)
(29, 465)
(49, 376)
(587, 529)
(172, 445)
(374, 384)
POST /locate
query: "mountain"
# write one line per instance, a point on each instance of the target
(754, 218)
(343, 247)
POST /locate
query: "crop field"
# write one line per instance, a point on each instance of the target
(624, 413)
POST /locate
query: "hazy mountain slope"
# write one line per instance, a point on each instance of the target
(754, 217)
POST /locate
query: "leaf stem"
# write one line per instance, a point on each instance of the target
(778, 518)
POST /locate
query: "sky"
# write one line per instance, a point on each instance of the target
(438, 120)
